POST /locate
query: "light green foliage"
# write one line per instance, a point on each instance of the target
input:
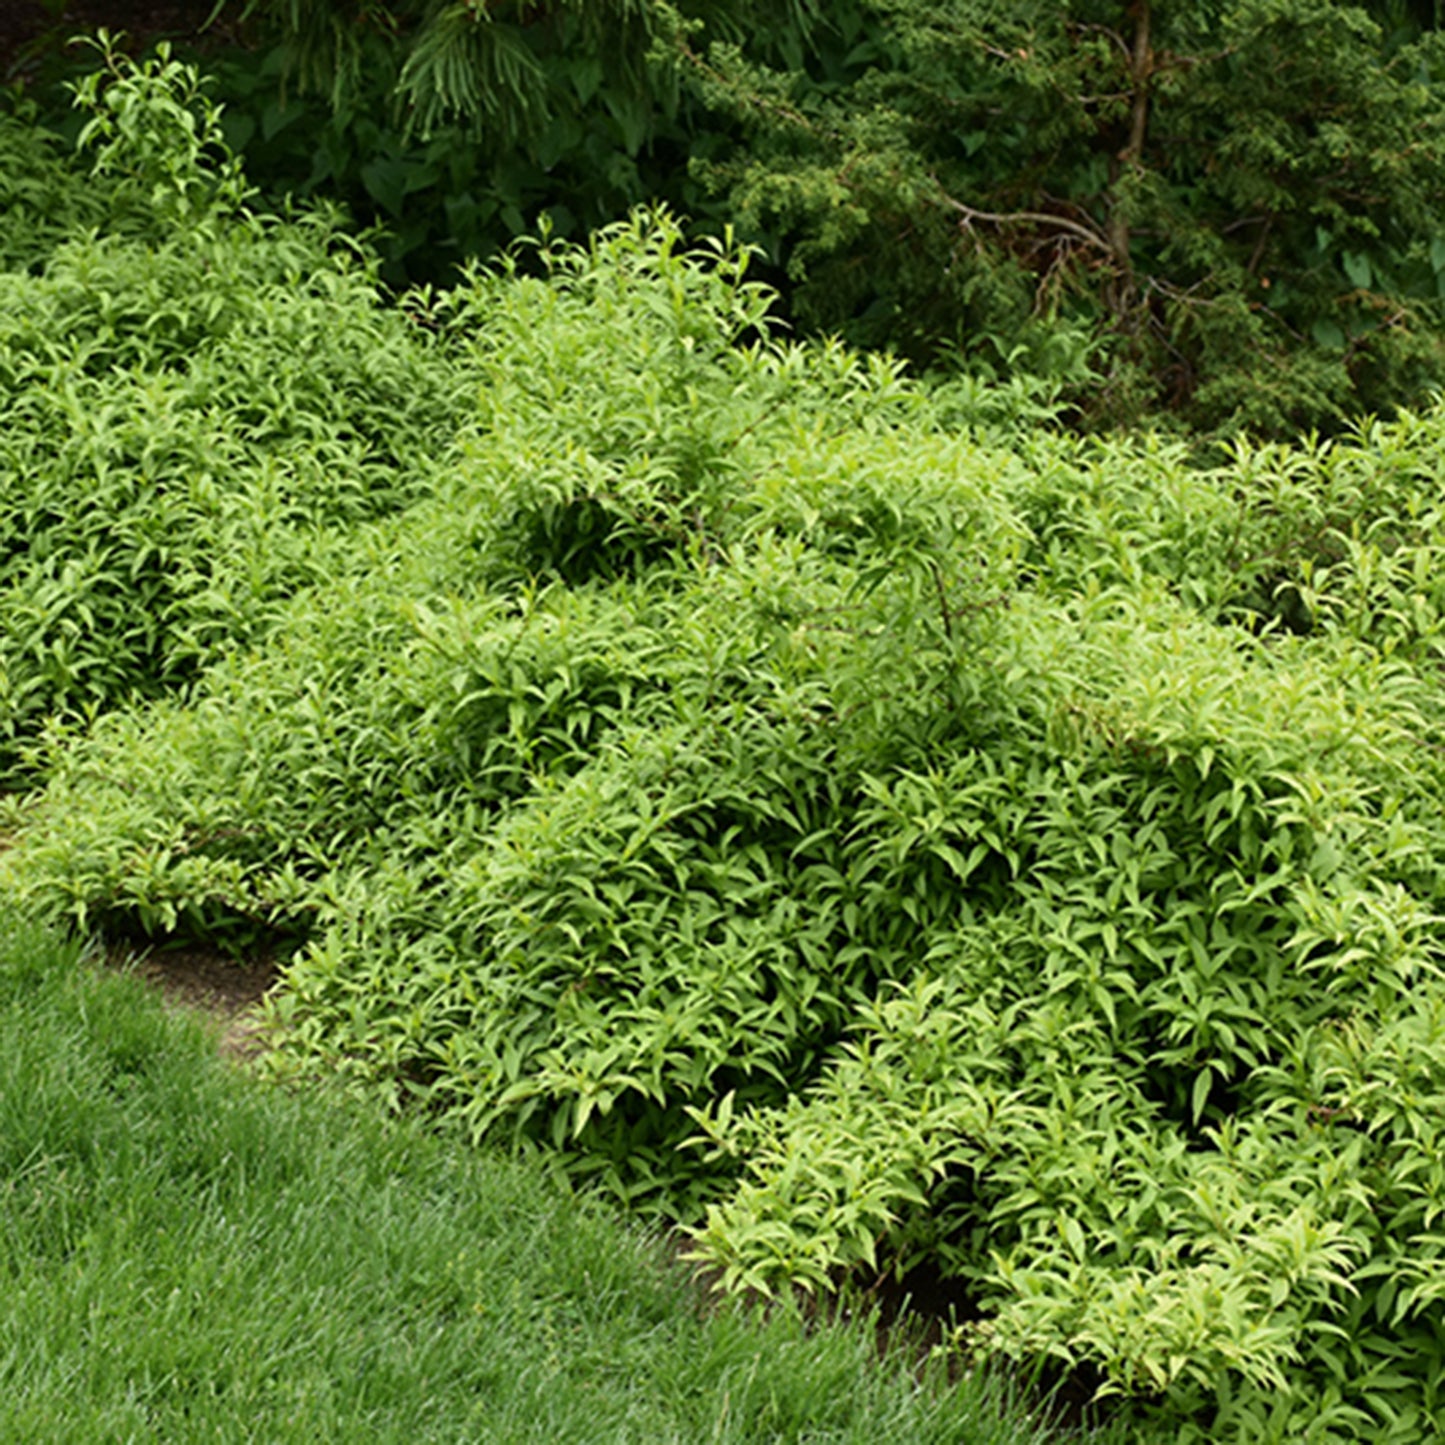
(183, 425)
(153, 124)
(876, 841)
(42, 199)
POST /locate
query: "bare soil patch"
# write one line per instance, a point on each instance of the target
(222, 990)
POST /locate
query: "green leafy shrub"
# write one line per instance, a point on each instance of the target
(189, 410)
(43, 200)
(713, 769)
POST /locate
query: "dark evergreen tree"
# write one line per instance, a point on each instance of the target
(1240, 202)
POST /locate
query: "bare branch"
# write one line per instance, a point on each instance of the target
(970, 214)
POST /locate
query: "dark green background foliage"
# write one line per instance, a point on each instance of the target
(1223, 214)
(810, 803)
(556, 120)
(1241, 202)
(451, 130)
(1233, 210)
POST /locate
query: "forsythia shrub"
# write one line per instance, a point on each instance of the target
(876, 843)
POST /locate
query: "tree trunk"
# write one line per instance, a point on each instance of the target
(1141, 73)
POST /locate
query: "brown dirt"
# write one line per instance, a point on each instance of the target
(221, 990)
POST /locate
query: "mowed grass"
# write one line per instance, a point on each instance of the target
(191, 1254)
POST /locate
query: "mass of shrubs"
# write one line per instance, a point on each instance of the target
(835, 812)
(184, 420)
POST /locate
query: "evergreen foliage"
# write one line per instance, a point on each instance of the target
(1241, 202)
(820, 806)
(483, 62)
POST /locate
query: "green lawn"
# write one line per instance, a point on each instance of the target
(190, 1254)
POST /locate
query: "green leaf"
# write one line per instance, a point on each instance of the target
(386, 182)
(1357, 268)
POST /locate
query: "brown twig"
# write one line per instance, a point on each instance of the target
(970, 214)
